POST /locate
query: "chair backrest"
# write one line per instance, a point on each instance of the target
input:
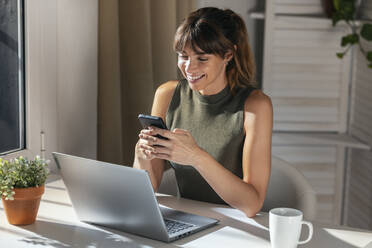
(287, 188)
(169, 183)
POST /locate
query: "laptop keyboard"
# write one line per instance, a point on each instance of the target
(175, 226)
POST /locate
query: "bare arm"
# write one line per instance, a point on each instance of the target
(142, 159)
(248, 194)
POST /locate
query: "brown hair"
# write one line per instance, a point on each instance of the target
(217, 31)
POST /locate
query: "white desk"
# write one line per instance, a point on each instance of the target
(57, 226)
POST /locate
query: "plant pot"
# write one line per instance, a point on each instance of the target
(23, 209)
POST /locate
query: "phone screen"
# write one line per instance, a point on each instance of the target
(149, 120)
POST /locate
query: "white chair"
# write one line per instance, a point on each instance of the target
(287, 188)
(168, 183)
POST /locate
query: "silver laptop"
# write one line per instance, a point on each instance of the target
(122, 198)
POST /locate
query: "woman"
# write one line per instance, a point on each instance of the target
(220, 126)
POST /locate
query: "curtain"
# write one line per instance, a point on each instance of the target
(135, 57)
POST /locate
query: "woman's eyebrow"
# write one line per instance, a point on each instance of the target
(200, 53)
(196, 52)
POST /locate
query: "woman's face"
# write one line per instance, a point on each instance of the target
(204, 72)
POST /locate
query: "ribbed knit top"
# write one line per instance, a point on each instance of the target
(216, 123)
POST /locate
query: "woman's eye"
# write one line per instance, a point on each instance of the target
(203, 59)
(182, 56)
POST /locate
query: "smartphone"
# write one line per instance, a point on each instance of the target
(149, 120)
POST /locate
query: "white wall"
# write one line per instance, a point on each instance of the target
(77, 49)
(61, 76)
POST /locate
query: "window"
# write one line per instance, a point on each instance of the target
(12, 96)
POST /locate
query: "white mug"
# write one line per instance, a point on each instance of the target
(285, 228)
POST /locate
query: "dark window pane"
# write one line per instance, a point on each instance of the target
(11, 76)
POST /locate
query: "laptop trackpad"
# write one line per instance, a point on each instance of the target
(197, 220)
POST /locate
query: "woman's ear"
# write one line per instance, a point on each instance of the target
(228, 56)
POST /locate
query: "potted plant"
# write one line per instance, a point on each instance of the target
(21, 187)
(346, 11)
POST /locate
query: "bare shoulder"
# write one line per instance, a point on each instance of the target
(166, 89)
(162, 98)
(258, 111)
(258, 102)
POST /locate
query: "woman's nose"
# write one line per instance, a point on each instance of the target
(190, 65)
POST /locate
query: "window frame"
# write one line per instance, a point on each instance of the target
(31, 91)
(21, 79)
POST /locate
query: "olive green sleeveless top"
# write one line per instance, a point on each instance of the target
(216, 123)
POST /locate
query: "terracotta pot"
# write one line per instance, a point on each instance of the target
(23, 209)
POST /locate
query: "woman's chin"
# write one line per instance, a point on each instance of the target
(194, 86)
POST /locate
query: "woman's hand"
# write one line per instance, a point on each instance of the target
(180, 147)
(144, 150)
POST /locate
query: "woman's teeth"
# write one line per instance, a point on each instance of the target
(191, 78)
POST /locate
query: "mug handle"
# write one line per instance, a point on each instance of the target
(310, 232)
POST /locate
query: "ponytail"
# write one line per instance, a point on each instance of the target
(241, 71)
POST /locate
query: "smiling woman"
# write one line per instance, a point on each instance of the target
(11, 77)
(219, 142)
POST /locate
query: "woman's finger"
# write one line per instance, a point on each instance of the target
(146, 136)
(163, 132)
(147, 139)
(162, 150)
(146, 148)
(162, 142)
(153, 141)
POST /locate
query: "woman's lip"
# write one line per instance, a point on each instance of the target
(194, 79)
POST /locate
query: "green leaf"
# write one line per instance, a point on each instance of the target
(336, 4)
(336, 17)
(349, 39)
(347, 9)
(366, 31)
(340, 55)
(370, 66)
(21, 173)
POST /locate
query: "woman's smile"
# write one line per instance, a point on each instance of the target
(204, 72)
(194, 78)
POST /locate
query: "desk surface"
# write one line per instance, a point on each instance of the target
(58, 226)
